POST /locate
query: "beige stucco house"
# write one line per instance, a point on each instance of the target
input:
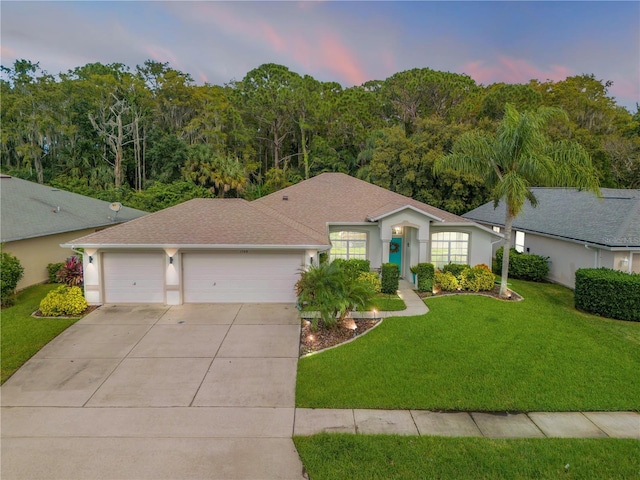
(575, 229)
(232, 250)
(35, 219)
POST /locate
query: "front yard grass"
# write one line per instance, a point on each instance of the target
(475, 353)
(387, 303)
(397, 457)
(21, 335)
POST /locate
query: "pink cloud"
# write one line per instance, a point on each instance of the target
(337, 57)
(271, 36)
(7, 52)
(513, 70)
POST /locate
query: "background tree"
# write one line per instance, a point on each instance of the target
(518, 157)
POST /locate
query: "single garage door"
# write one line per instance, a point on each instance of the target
(226, 277)
(133, 277)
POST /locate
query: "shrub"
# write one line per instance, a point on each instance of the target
(353, 267)
(63, 300)
(53, 269)
(390, 278)
(425, 272)
(71, 272)
(477, 279)
(327, 288)
(446, 281)
(524, 266)
(609, 293)
(455, 268)
(373, 279)
(11, 272)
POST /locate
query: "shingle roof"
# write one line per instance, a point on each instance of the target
(613, 221)
(209, 222)
(301, 220)
(31, 210)
(337, 197)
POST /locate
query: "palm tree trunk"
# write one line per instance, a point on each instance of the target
(508, 223)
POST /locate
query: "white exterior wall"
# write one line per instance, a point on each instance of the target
(480, 250)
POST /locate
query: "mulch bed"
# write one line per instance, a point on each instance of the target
(90, 308)
(322, 338)
(495, 293)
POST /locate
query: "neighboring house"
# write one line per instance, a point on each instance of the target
(231, 250)
(574, 229)
(35, 219)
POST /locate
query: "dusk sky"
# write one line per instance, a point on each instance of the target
(347, 42)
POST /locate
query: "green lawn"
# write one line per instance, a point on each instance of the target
(355, 457)
(479, 354)
(21, 335)
(387, 303)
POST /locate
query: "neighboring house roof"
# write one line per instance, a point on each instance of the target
(612, 221)
(31, 210)
(208, 222)
(295, 216)
(339, 198)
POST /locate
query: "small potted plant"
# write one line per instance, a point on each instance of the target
(414, 271)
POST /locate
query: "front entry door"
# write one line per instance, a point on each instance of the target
(395, 253)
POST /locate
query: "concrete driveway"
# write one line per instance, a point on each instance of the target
(157, 392)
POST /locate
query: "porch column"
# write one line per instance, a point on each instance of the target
(423, 253)
(630, 266)
(385, 251)
(91, 266)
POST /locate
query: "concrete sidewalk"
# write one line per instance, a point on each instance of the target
(150, 391)
(463, 424)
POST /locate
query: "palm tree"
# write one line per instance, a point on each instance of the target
(518, 157)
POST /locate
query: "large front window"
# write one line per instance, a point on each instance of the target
(348, 245)
(449, 247)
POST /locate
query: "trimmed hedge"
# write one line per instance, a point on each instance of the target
(446, 281)
(425, 272)
(477, 279)
(609, 293)
(353, 267)
(11, 272)
(372, 279)
(52, 270)
(390, 278)
(455, 268)
(524, 266)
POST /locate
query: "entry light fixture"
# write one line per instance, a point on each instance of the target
(171, 260)
(90, 259)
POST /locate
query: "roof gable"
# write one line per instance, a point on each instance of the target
(340, 198)
(612, 221)
(31, 210)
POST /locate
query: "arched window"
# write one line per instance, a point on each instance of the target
(449, 247)
(348, 245)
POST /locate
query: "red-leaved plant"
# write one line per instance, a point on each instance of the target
(71, 272)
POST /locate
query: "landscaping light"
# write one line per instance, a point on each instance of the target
(375, 313)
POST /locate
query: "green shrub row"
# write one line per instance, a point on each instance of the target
(390, 278)
(476, 279)
(63, 300)
(372, 279)
(609, 293)
(524, 266)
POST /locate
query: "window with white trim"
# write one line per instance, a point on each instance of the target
(520, 242)
(348, 245)
(449, 247)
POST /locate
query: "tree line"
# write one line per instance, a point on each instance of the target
(151, 137)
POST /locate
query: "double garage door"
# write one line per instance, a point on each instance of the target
(220, 277)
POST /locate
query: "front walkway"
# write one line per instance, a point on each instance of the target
(415, 305)
(150, 391)
(463, 424)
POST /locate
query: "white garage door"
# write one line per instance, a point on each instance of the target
(240, 277)
(133, 277)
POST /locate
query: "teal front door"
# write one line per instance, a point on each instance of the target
(395, 253)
